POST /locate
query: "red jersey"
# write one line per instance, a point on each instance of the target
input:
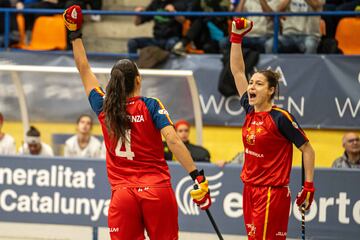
(268, 139)
(138, 162)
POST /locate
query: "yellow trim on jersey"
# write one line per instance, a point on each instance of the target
(288, 116)
(285, 113)
(267, 213)
(162, 107)
(99, 91)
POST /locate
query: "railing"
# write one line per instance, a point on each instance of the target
(275, 15)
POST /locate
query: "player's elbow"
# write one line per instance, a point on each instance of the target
(308, 150)
(173, 140)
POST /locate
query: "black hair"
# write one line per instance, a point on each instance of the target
(33, 132)
(121, 84)
(273, 80)
(85, 115)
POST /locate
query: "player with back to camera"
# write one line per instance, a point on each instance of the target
(268, 136)
(142, 197)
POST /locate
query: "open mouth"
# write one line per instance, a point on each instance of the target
(252, 95)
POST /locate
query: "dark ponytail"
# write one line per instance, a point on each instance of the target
(121, 84)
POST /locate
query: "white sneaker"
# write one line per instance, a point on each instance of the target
(179, 49)
(95, 18)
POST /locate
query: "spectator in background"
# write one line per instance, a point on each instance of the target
(14, 33)
(103, 150)
(206, 33)
(198, 153)
(261, 33)
(167, 29)
(299, 34)
(233, 4)
(351, 156)
(83, 144)
(337, 5)
(7, 142)
(81, 3)
(95, 5)
(21, 4)
(30, 18)
(33, 144)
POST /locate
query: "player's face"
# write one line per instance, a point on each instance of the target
(258, 90)
(183, 132)
(352, 143)
(84, 125)
(34, 148)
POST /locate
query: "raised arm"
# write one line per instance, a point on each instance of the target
(73, 21)
(240, 27)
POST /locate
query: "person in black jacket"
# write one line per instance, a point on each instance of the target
(167, 29)
(206, 33)
(198, 153)
(14, 33)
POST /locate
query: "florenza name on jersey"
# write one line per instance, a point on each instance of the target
(136, 118)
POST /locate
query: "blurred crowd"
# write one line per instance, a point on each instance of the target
(83, 144)
(14, 37)
(189, 34)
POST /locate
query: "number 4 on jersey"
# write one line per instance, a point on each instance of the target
(127, 153)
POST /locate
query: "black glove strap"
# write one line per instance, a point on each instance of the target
(194, 174)
(75, 34)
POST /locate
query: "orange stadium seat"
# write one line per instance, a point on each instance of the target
(348, 35)
(49, 33)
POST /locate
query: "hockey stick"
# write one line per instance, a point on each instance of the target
(214, 224)
(303, 205)
(211, 219)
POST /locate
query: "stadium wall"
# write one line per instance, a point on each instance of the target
(76, 192)
(223, 141)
